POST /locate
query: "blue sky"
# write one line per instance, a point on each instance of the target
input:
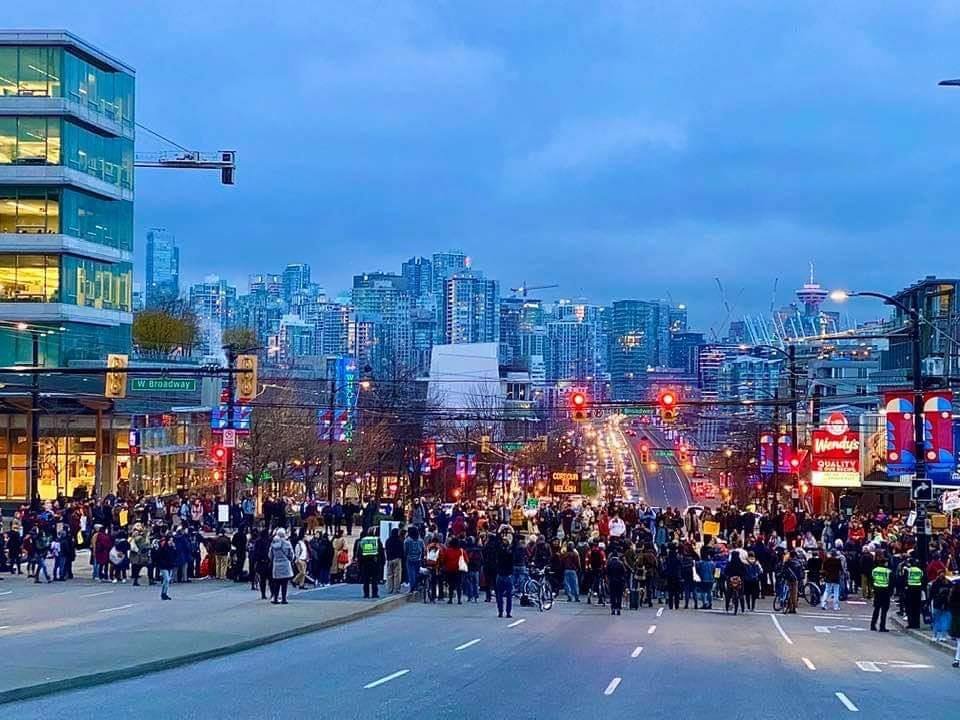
(619, 149)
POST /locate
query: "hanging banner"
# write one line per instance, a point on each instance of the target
(766, 453)
(901, 459)
(836, 454)
(784, 453)
(938, 435)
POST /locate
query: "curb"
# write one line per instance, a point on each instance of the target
(923, 637)
(132, 671)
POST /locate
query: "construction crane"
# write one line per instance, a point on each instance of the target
(223, 160)
(524, 288)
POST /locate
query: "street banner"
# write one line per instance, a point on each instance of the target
(901, 459)
(836, 454)
(784, 453)
(938, 434)
(766, 452)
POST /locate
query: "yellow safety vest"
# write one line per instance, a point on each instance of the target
(881, 577)
(368, 546)
(914, 577)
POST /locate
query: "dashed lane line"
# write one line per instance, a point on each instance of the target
(846, 702)
(97, 594)
(809, 664)
(636, 652)
(467, 644)
(659, 612)
(385, 679)
(118, 607)
(651, 630)
(612, 687)
(517, 622)
(7, 592)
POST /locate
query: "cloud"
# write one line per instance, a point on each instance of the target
(587, 147)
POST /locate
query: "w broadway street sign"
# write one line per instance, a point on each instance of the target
(163, 384)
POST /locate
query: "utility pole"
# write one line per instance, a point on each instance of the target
(792, 365)
(228, 451)
(776, 446)
(918, 430)
(330, 409)
(35, 424)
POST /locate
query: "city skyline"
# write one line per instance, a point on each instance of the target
(439, 128)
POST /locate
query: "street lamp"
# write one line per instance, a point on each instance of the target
(916, 369)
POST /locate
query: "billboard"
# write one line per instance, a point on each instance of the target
(938, 445)
(836, 454)
(901, 458)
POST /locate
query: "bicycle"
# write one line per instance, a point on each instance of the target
(811, 592)
(781, 591)
(734, 594)
(425, 579)
(538, 588)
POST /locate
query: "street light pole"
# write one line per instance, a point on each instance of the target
(35, 423)
(919, 449)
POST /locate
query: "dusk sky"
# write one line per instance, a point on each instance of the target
(618, 149)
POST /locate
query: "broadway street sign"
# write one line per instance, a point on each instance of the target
(161, 384)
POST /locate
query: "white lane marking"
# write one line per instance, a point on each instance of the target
(856, 602)
(97, 594)
(810, 665)
(636, 652)
(612, 686)
(659, 612)
(868, 666)
(4, 627)
(467, 644)
(119, 607)
(822, 629)
(517, 622)
(313, 589)
(780, 630)
(905, 664)
(651, 630)
(846, 702)
(386, 679)
(7, 592)
(211, 592)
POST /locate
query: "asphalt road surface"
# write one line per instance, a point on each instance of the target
(666, 486)
(441, 661)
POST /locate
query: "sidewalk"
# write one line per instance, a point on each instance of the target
(923, 635)
(80, 633)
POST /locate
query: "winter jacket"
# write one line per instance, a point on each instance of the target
(281, 557)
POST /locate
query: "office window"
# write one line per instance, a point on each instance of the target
(107, 222)
(8, 70)
(29, 141)
(29, 278)
(29, 211)
(105, 158)
(102, 91)
(98, 285)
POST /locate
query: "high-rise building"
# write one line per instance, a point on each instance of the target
(417, 273)
(511, 320)
(214, 301)
(266, 285)
(296, 279)
(443, 266)
(382, 313)
(163, 268)
(571, 352)
(66, 198)
(683, 350)
(471, 309)
(639, 339)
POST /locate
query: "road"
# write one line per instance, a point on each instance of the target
(445, 661)
(666, 486)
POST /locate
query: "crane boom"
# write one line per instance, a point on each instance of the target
(524, 288)
(223, 160)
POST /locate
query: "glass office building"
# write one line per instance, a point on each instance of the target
(66, 197)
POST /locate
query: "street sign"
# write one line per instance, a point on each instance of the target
(921, 490)
(637, 411)
(950, 500)
(533, 503)
(159, 384)
(229, 438)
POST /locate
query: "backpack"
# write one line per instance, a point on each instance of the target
(735, 583)
(343, 557)
(352, 574)
(753, 571)
(940, 598)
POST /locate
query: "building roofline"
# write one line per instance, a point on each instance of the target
(63, 38)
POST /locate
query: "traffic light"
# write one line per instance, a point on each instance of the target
(218, 454)
(644, 453)
(794, 463)
(115, 385)
(246, 383)
(578, 406)
(804, 487)
(667, 406)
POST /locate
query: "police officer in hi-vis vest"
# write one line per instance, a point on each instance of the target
(372, 558)
(914, 598)
(881, 592)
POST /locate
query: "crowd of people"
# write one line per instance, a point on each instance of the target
(600, 552)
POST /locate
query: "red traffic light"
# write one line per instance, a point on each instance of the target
(804, 488)
(667, 398)
(218, 453)
(578, 399)
(794, 463)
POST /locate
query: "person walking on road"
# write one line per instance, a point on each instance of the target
(939, 605)
(571, 573)
(832, 574)
(504, 582)
(301, 558)
(221, 553)
(281, 559)
(260, 562)
(915, 582)
(413, 549)
(880, 577)
(165, 558)
(953, 604)
(616, 582)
